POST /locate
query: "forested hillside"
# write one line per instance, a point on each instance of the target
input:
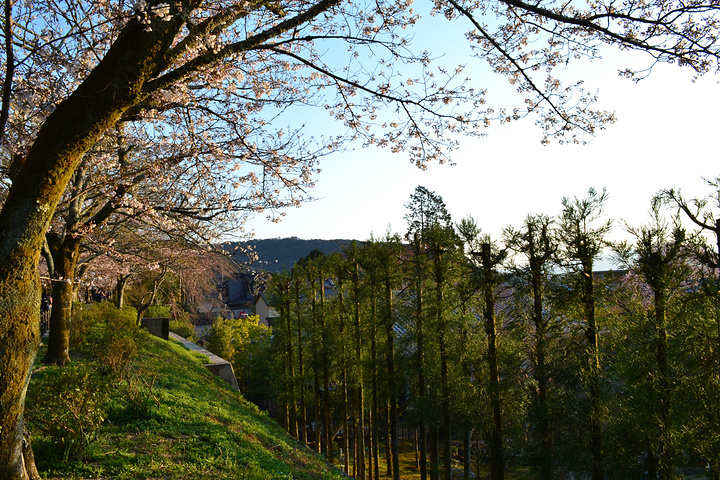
(278, 254)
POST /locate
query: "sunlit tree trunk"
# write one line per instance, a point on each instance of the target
(285, 303)
(375, 415)
(65, 252)
(71, 129)
(317, 408)
(327, 414)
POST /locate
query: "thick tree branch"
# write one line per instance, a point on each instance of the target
(211, 58)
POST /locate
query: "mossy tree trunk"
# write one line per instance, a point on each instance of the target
(77, 123)
(65, 252)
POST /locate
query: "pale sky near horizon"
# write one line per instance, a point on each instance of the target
(665, 136)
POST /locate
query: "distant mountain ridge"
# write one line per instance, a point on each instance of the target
(278, 254)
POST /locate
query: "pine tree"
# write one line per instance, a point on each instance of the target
(581, 244)
(536, 244)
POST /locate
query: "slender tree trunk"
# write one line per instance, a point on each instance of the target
(292, 411)
(317, 445)
(444, 381)
(65, 252)
(9, 67)
(301, 368)
(434, 452)
(665, 448)
(420, 362)
(375, 416)
(540, 373)
(388, 441)
(359, 396)
(327, 416)
(390, 362)
(371, 443)
(467, 460)
(415, 448)
(345, 410)
(355, 443)
(317, 410)
(497, 462)
(593, 373)
(422, 400)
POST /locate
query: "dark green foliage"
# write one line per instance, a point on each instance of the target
(245, 343)
(556, 370)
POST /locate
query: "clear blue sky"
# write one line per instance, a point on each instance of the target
(666, 136)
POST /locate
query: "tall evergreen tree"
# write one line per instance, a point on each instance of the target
(659, 257)
(355, 297)
(582, 240)
(431, 234)
(704, 332)
(537, 245)
(487, 259)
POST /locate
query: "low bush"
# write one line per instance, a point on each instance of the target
(66, 406)
(158, 311)
(185, 329)
(116, 339)
(89, 320)
(137, 392)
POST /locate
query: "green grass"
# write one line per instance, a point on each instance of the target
(184, 424)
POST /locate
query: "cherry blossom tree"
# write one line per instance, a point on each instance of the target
(73, 72)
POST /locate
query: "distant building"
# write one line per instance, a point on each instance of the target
(263, 310)
(238, 294)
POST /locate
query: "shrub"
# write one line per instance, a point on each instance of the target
(112, 335)
(119, 343)
(220, 338)
(184, 329)
(89, 320)
(158, 311)
(67, 405)
(137, 392)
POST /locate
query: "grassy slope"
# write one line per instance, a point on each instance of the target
(199, 429)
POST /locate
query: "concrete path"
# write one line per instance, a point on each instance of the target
(218, 366)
